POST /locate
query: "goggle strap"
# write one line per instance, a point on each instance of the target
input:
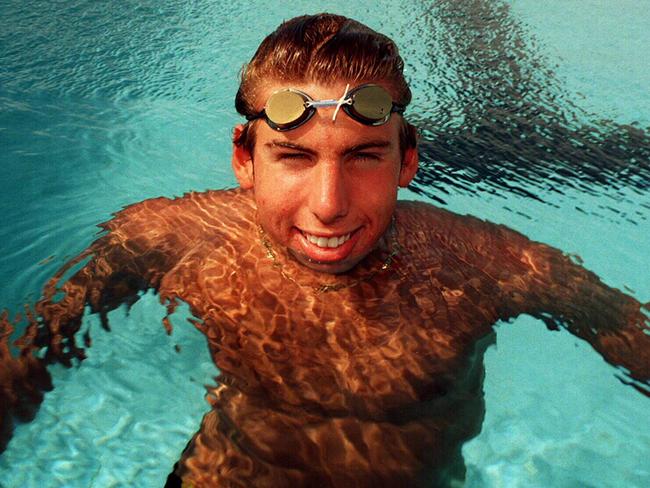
(341, 101)
(398, 109)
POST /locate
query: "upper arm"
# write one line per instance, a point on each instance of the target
(530, 277)
(135, 249)
(139, 245)
(542, 281)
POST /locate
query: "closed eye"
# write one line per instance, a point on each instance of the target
(365, 155)
(292, 156)
(294, 160)
(365, 158)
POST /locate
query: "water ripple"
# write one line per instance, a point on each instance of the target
(498, 118)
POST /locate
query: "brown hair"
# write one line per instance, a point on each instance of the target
(323, 47)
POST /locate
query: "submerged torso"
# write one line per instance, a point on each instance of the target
(375, 382)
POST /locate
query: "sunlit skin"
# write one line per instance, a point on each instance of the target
(327, 178)
(377, 383)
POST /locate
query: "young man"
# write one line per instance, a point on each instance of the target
(349, 328)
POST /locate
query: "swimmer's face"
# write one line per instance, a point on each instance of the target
(326, 190)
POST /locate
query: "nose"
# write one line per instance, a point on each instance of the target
(328, 199)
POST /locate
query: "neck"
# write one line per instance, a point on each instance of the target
(380, 259)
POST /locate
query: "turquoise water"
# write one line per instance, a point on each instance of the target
(105, 105)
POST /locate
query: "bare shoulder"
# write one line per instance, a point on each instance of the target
(192, 215)
(428, 222)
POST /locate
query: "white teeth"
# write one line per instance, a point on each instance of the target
(327, 242)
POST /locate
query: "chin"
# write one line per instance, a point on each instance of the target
(335, 267)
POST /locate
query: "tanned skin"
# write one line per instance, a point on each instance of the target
(375, 384)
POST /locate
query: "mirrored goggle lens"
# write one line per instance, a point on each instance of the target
(372, 103)
(284, 107)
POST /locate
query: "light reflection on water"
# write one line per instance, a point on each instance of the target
(104, 105)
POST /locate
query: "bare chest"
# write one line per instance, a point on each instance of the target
(395, 340)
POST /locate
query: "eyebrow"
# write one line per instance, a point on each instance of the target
(376, 144)
(289, 145)
(379, 144)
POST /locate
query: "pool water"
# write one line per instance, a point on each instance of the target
(102, 105)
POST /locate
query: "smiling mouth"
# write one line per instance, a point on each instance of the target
(326, 251)
(327, 242)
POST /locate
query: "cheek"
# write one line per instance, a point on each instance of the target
(274, 210)
(272, 181)
(279, 194)
(384, 205)
(378, 194)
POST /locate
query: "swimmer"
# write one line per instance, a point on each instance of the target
(349, 327)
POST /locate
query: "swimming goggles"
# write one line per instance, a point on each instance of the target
(289, 108)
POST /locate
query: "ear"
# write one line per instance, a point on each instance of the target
(242, 161)
(410, 164)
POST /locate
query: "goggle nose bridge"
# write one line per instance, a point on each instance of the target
(327, 103)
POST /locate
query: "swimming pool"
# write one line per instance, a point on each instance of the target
(104, 106)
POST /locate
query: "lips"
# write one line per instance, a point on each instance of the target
(327, 249)
(322, 241)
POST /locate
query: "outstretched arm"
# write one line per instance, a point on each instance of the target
(140, 245)
(542, 281)
(524, 276)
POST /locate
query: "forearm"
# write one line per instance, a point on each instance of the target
(115, 273)
(23, 379)
(562, 292)
(529, 277)
(112, 273)
(139, 247)
(49, 330)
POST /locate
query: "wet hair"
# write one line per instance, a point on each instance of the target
(323, 48)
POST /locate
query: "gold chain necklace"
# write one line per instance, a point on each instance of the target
(327, 287)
